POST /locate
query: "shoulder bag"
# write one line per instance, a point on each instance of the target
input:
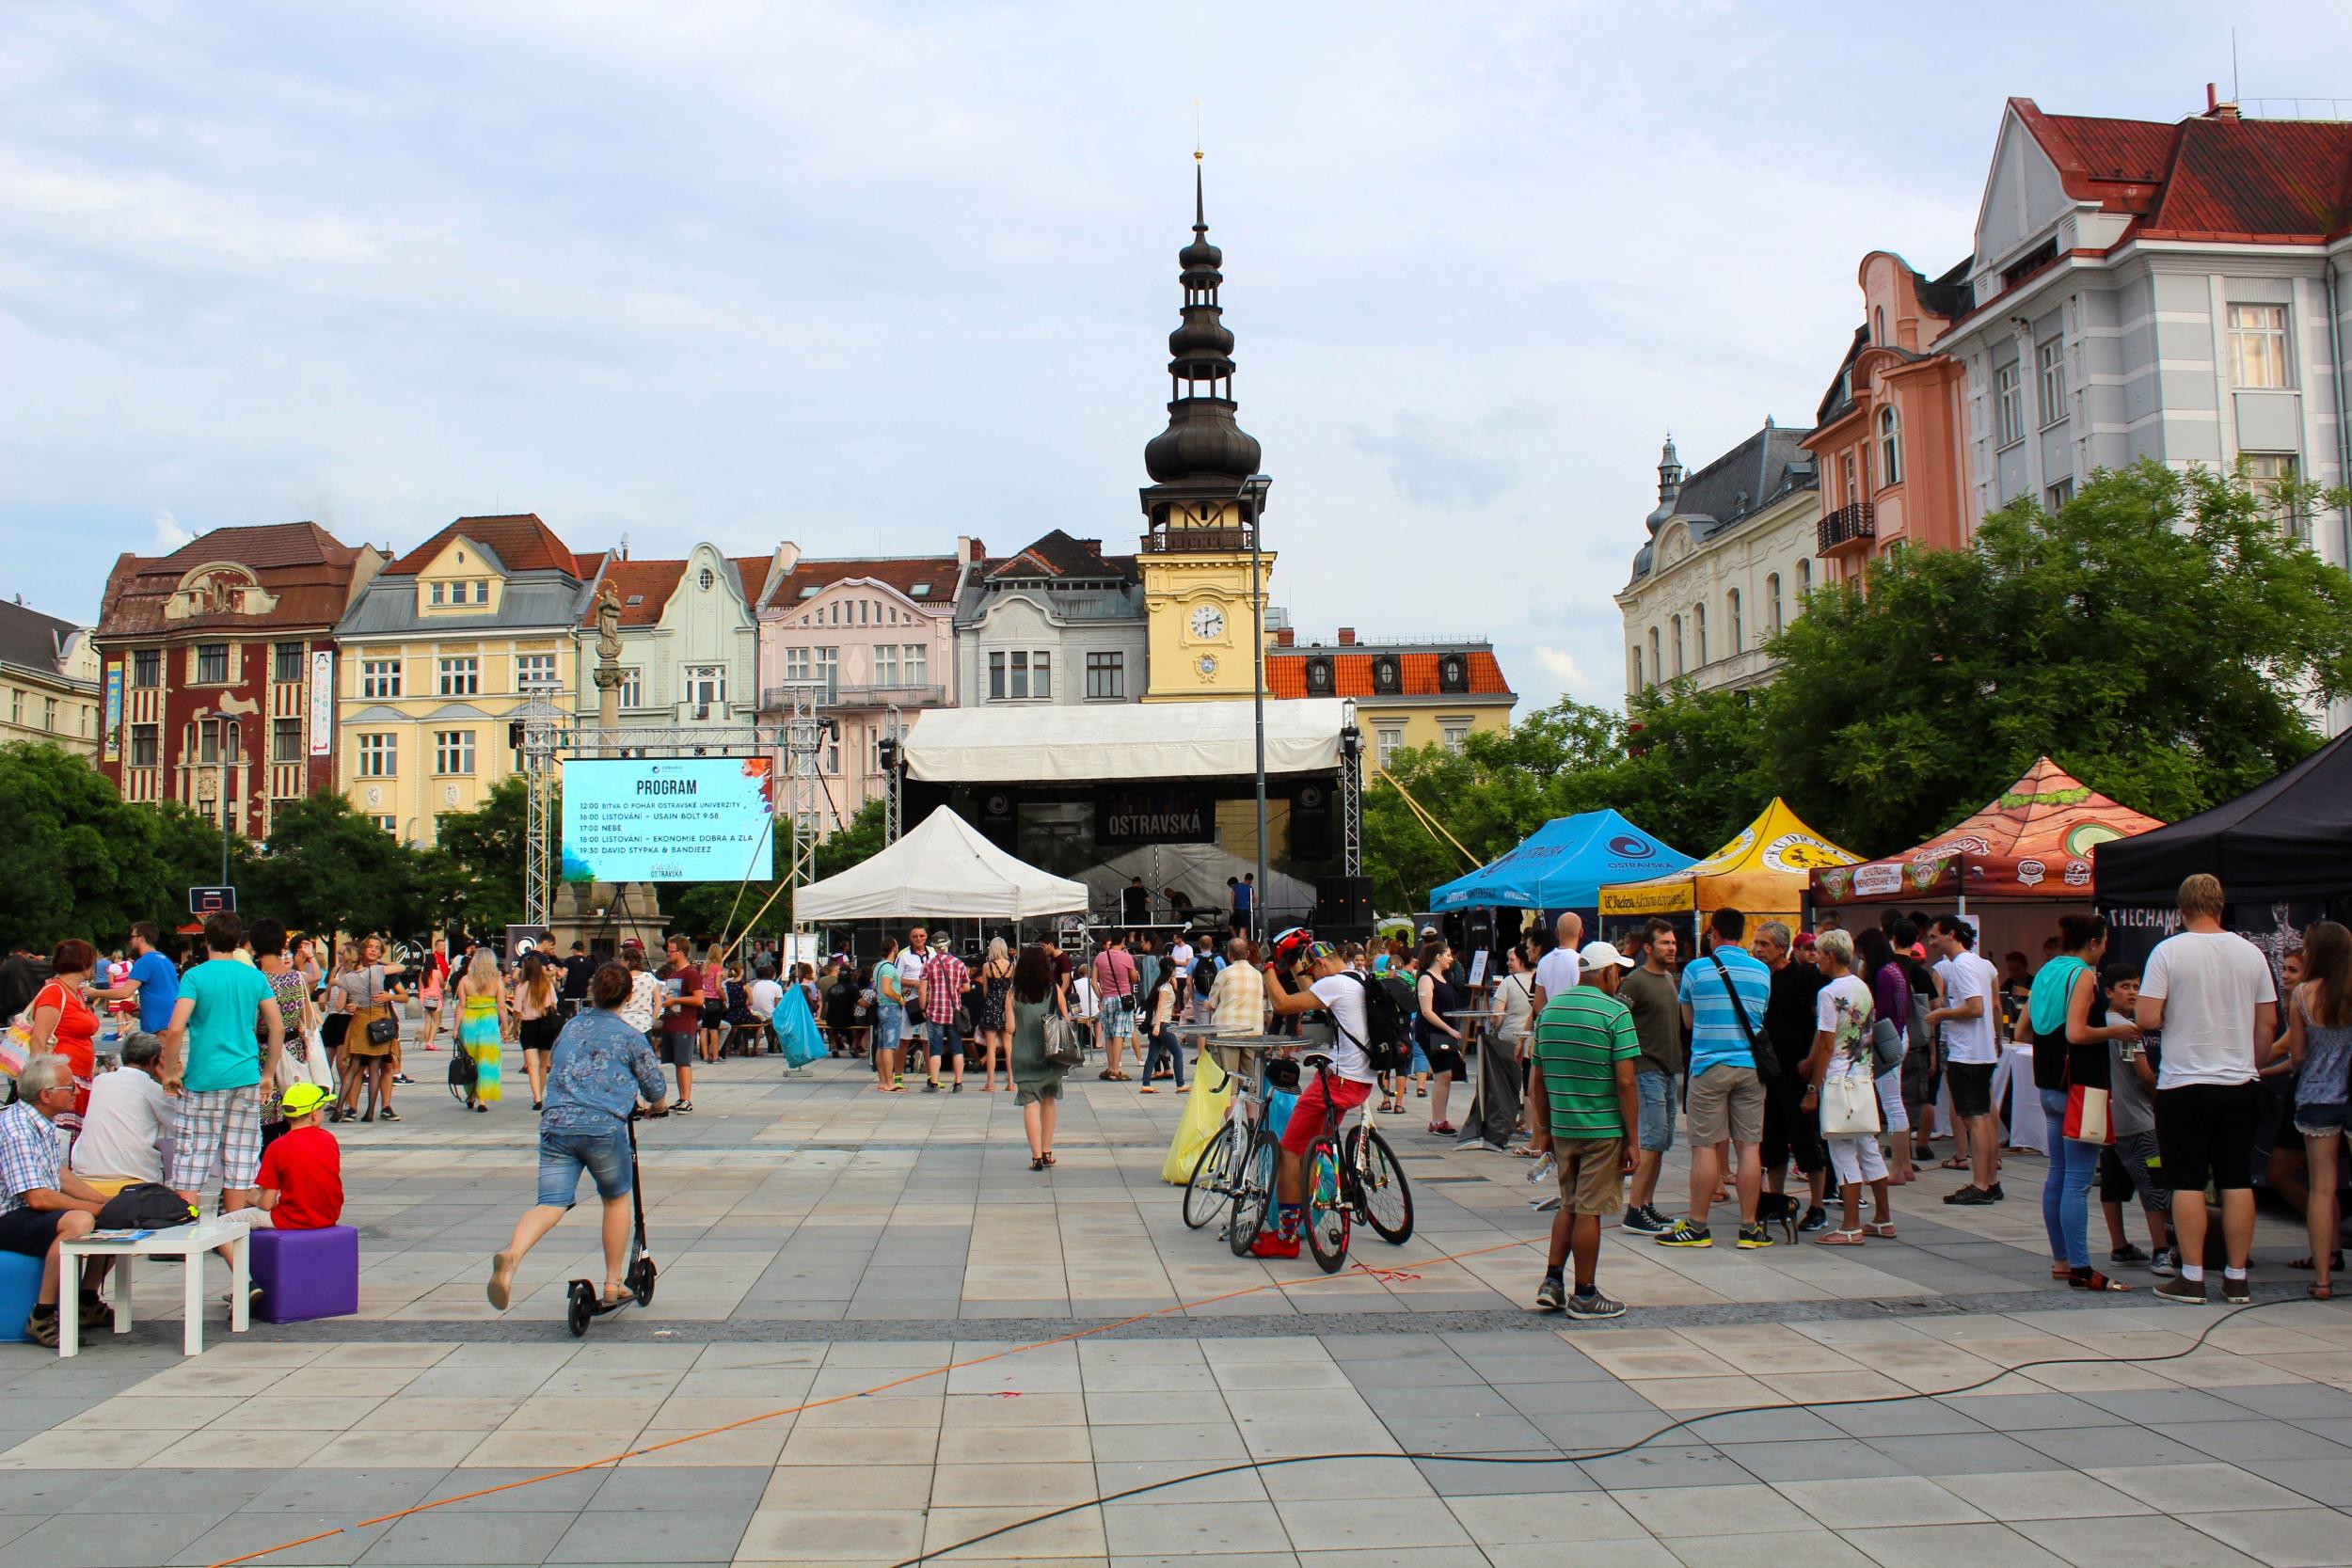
(384, 1030)
(1850, 1105)
(2089, 1117)
(1760, 1050)
(1062, 1047)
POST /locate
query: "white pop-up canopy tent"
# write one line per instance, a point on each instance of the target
(942, 868)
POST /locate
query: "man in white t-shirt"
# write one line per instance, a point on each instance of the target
(2211, 991)
(1970, 1021)
(1559, 971)
(910, 961)
(764, 997)
(1332, 989)
(122, 1132)
(1179, 965)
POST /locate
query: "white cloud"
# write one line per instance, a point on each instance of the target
(1560, 666)
(169, 535)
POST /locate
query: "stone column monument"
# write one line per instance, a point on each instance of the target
(603, 914)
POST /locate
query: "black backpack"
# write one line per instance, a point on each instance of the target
(1388, 1019)
(146, 1206)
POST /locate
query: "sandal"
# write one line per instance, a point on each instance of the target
(1839, 1238)
(2321, 1289)
(1880, 1229)
(1954, 1164)
(2335, 1261)
(2091, 1280)
(1049, 1157)
(1036, 1162)
(2060, 1271)
(1146, 1089)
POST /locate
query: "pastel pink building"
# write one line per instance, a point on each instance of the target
(1890, 437)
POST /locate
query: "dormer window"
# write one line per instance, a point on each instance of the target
(437, 590)
(1387, 677)
(1453, 673)
(1319, 676)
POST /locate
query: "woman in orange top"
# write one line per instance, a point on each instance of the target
(63, 1022)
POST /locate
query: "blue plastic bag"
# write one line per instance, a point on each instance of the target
(796, 1030)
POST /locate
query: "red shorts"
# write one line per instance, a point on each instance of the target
(1306, 1123)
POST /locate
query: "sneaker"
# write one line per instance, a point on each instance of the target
(1683, 1233)
(1993, 1193)
(959, 1088)
(1271, 1245)
(2165, 1265)
(1973, 1197)
(1643, 1220)
(2127, 1253)
(1816, 1221)
(931, 1087)
(1753, 1236)
(1592, 1304)
(2237, 1293)
(1551, 1295)
(2189, 1293)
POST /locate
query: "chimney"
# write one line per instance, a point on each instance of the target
(787, 558)
(2215, 108)
(1285, 637)
(1348, 636)
(968, 549)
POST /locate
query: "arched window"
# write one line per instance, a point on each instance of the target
(1656, 665)
(1878, 323)
(1637, 667)
(1698, 621)
(1772, 602)
(1890, 447)
(1679, 664)
(1738, 623)
(1804, 581)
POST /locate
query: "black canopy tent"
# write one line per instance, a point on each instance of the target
(2285, 842)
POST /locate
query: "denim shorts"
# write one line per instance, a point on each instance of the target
(564, 1155)
(2319, 1121)
(1657, 1091)
(888, 1020)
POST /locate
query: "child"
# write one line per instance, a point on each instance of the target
(301, 1180)
(2125, 1167)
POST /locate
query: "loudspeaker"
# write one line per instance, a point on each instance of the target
(1344, 907)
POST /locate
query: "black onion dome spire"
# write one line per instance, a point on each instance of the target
(1202, 441)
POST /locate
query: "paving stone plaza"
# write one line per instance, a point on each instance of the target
(826, 1251)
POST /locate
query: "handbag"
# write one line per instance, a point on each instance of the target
(1062, 1049)
(2088, 1115)
(1850, 1105)
(1759, 1051)
(384, 1030)
(1888, 1045)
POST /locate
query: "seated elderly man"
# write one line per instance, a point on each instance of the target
(42, 1204)
(124, 1133)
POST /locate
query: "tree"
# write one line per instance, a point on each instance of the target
(483, 852)
(329, 868)
(2159, 636)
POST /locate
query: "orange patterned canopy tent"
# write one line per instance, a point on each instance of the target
(2034, 842)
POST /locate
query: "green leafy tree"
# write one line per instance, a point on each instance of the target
(2160, 636)
(483, 854)
(75, 859)
(329, 868)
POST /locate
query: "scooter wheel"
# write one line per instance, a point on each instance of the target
(640, 1281)
(581, 1306)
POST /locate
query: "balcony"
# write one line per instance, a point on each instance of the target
(1196, 541)
(778, 698)
(1854, 524)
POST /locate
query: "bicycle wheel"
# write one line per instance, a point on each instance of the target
(1254, 1195)
(1386, 1197)
(1212, 1184)
(1328, 1215)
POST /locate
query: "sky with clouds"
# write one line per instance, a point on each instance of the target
(869, 277)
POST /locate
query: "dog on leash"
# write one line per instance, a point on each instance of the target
(1779, 1209)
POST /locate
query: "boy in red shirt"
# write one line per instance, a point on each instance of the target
(301, 1180)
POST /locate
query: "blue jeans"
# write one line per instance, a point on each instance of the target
(2066, 1190)
(1165, 1043)
(1657, 1095)
(562, 1155)
(889, 1020)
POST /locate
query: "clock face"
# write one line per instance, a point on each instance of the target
(1208, 621)
(1208, 664)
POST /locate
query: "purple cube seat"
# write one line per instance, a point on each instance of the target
(20, 1287)
(306, 1273)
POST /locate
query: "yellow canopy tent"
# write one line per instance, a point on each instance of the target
(1763, 873)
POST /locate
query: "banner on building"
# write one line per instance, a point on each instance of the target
(668, 819)
(1155, 814)
(322, 704)
(114, 711)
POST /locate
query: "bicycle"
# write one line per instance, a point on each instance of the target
(1354, 1178)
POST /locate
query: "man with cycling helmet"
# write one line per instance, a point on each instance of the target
(1328, 988)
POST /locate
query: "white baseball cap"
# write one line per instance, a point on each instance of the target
(1600, 955)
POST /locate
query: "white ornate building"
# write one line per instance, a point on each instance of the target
(1728, 563)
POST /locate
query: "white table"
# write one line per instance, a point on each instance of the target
(188, 1243)
(2029, 1127)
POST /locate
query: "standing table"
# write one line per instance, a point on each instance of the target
(189, 1243)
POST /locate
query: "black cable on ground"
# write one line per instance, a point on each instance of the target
(2194, 1346)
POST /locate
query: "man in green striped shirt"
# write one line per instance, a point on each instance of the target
(1582, 1103)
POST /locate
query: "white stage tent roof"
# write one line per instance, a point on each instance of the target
(1083, 745)
(940, 869)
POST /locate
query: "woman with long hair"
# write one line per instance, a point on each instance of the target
(890, 1017)
(1155, 1018)
(295, 1016)
(1890, 995)
(370, 999)
(2319, 1041)
(711, 1038)
(1036, 1081)
(996, 985)
(538, 1023)
(1441, 1040)
(2070, 1049)
(482, 1026)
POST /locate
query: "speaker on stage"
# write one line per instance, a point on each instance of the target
(1343, 907)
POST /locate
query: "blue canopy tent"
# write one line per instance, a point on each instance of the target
(1562, 865)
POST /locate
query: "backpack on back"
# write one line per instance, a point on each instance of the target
(1388, 1020)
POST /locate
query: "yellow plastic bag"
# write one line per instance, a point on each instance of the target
(1212, 1094)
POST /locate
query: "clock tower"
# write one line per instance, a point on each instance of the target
(1200, 514)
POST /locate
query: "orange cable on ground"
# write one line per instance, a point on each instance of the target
(940, 1370)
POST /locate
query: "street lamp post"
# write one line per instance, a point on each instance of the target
(1252, 496)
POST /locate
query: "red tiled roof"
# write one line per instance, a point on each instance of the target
(521, 541)
(1351, 673)
(903, 573)
(753, 570)
(2205, 177)
(584, 563)
(261, 547)
(305, 569)
(645, 588)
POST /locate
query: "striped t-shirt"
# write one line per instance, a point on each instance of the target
(1581, 1036)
